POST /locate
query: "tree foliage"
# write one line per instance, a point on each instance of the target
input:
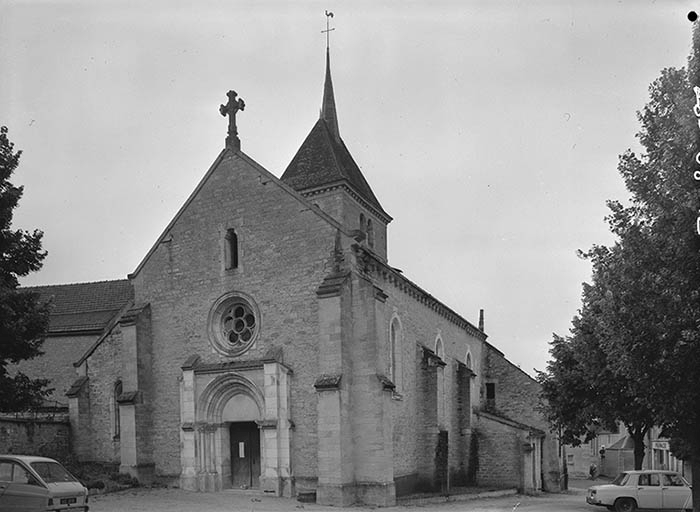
(22, 320)
(640, 316)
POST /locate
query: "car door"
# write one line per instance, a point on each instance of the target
(676, 494)
(649, 493)
(5, 479)
(21, 491)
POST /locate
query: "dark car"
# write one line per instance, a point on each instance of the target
(38, 484)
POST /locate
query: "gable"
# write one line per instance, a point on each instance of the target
(236, 192)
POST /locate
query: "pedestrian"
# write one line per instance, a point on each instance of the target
(593, 470)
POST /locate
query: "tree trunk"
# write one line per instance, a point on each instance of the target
(695, 468)
(638, 438)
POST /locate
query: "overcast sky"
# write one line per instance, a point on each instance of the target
(490, 131)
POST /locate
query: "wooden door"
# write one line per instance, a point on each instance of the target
(245, 455)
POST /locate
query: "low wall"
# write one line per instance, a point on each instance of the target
(31, 434)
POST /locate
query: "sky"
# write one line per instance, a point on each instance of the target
(489, 131)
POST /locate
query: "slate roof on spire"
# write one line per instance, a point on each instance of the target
(328, 112)
(323, 159)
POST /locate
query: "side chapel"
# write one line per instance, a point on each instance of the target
(265, 342)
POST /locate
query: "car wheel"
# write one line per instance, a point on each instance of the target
(625, 505)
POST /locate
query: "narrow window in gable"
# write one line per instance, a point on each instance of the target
(231, 249)
(370, 233)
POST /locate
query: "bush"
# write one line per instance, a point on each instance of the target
(124, 479)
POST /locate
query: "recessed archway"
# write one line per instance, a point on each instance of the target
(231, 407)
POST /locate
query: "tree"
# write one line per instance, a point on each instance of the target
(643, 307)
(23, 321)
(587, 387)
(665, 203)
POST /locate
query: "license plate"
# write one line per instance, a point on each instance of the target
(68, 501)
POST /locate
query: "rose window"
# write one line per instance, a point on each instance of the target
(238, 324)
(234, 321)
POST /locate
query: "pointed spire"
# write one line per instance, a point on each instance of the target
(328, 112)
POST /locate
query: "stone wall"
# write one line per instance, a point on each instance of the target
(417, 418)
(517, 398)
(94, 406)
(284, 250)
(499, 454)
(47, 436)
(56, 364)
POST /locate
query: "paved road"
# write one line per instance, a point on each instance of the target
(544, 503)
(176, 500)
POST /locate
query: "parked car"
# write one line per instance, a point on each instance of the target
(39, 484)
(649, 489)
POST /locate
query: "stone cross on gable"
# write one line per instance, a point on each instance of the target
(230, 110)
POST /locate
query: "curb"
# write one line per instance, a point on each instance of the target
(456, 497)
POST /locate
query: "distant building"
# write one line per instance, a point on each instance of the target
(265, 342)
(613, 452)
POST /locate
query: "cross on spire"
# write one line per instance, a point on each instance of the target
(230, 110)
(328, 30)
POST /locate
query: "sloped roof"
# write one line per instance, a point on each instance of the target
(82, 308)
(323, 159)
(624, 443)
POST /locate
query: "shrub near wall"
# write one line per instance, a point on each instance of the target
(32, 435)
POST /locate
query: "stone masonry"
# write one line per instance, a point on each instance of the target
(267, 343)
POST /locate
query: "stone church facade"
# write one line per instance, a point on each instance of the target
(265, 342)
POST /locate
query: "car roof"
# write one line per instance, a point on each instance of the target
(644, 471)
(26, 458)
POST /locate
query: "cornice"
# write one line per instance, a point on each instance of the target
(343, 184)
(376, 268)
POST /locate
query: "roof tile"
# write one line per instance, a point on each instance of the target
(322, 160)
(80, 307)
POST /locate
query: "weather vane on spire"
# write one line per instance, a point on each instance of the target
(328, 30)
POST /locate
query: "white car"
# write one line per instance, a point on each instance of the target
(39, 484)
(644, 490)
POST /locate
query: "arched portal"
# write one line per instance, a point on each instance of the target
(230, 409)
(235, 427)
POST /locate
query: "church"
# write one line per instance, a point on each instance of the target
(265, 342)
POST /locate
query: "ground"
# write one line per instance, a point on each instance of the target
(177, 500)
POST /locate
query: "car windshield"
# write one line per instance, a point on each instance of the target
(621, 479)
(52, 472)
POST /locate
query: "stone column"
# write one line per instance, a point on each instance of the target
(188, 452)
(79, 413)
(428, 413)
(136, 447)
(275, 433)
(335, 441)
(370, 392)
(209, 479)
(335, 483)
